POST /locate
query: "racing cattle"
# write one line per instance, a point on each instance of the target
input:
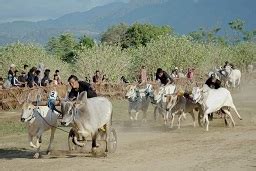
(181, 104)
(234, 76)
(39, 119)
(160, 100)
(87, 117)
(212, 100)
(139, 100)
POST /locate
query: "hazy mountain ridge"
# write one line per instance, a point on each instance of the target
(183, 15)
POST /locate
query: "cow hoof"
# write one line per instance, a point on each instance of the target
(36, 156)
(48, 152)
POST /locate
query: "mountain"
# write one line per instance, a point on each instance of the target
(183, 15)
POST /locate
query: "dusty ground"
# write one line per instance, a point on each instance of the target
(149, 146)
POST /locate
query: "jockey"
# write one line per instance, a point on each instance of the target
(213, 82)
(51, 101)
(163, 78)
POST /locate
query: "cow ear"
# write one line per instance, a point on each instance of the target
(82, 98)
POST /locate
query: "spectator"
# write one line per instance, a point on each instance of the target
(143, 75)
(22, 79)
(104, 78)
(190, 74)
(96, 77)
(25, 69)
(175, 73)
(57, 72)
(41, 68)
(55, 79)
(11, 73)
(46, 80)
(15, 79)
(37, 77)
(31, 77)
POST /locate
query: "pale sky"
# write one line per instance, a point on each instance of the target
(34, 10)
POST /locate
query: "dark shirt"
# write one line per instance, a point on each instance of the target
(11, 76)
(30, 79)
(45, 81)
(164, 78)
(83, 86)
(36, 79)
(212, 84)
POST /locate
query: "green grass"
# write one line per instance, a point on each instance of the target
(10, 127)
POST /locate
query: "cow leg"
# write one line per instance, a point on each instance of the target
(193, 117)
(173, 115)
(130, 115)
(206, 120)
(144, 116)
(94, 143)
(180, 116)
(36, 155)
(136, 115)
(230, 116)
(155, 113)
(107, 136)
(30, 139)
(51, 139)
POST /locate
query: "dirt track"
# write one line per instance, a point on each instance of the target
(150, 147)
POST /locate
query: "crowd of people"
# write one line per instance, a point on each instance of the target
(39, 76)
(33, 77)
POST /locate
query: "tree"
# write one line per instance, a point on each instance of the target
(86, 41)
(63, 46)
(241, 34)
(114, 34)
(207, 36)
(141, 34)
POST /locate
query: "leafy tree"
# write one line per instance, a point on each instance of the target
(241, 34)
(141, 34)
(86, 41)
(63, 46)
(208, 36)
(114, 34)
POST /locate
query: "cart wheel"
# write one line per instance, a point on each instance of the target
(112, 141)
(200, 119)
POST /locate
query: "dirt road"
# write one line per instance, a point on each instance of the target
(150, 147)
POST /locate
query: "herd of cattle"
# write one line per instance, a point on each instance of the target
(92, 117)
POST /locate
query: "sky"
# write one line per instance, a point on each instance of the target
(34, 10)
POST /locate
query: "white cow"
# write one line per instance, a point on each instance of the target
(87, 117)
(139, 99)
(38, 119)
(160, 100)
(234, 76)
(213, 100)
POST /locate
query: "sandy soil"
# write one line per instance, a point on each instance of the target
(150, 147)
